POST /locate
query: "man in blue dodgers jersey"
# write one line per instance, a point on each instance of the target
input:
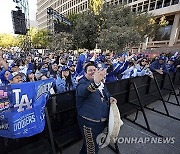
(159, 65)
(92, 100)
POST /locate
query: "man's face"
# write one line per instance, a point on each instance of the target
(90, 72)
(161, 61)
(108, 60)
(54, 67)
(17, 79)
(47, 60)
(45, 66)
(15, 69)
(144, 62)
(121, 58)
(29, 59)
(72, 68)
(62, 61)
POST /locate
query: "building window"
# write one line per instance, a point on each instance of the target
(120, 1)
(175, 2)
(86, 5)
(166, 3)
(140, 7)
(163, 33)
(159, 4)
(152, 5)
(124, 2)
(116, 2)
(134, 9)
(145, 6)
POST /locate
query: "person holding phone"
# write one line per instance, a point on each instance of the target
(92, 102)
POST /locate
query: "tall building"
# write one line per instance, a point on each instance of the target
(169, 8)
(65, 7)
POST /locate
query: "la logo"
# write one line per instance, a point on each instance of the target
(23, 102)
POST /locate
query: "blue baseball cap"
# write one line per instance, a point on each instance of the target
(14, 64)
(65, 68)
(12, 75)
(162, 58)
(29, 72)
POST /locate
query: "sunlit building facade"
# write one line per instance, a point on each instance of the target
(169, 8)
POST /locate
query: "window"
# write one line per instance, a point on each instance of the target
(152, 5)
(140, 7)
(116, 3)
(134, 9)
(166, 3)
(124, 2)
(175, 2)
(145, 6)
(120, 1)
(86, 5)
(159, 4)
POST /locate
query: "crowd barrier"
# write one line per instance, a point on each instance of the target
(62, 130)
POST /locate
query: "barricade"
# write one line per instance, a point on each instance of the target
(132, 94)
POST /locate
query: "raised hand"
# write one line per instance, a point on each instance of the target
(99, 75)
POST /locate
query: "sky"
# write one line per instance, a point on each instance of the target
(5, 14)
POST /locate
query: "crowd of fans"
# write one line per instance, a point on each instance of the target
(67, 68)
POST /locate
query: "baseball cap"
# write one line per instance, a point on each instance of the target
(64, 68)
(162, 58)
(29, 72)
(12, 75)
(14, 64)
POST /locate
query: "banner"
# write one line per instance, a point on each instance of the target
(22, 108)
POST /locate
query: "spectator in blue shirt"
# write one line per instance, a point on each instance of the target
(171, 66)
(159, 65)
(65, 82)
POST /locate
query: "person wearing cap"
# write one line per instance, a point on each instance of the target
(171, 66)
(111, 74)
(52, 73)
(30, 76)
(122, 65)
(14, 67)
(143, 68)
(30, 65)
(177, 62)
(159, 65)
(4, 71)
(72, 69)
(15, 77)
(65, 81)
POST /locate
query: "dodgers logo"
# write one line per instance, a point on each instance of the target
(24, 102)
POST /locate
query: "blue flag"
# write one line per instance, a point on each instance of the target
(22, 108)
